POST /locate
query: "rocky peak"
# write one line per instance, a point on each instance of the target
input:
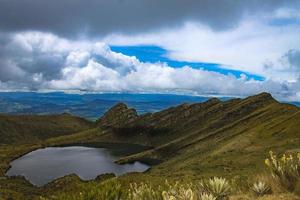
(263, 97)
(118, 116)
(213, 100)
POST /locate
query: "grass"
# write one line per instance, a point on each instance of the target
(18, 129)
(115, 189)
(136, 186)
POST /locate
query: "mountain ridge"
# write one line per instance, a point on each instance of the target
(180, 116)
(212, 127)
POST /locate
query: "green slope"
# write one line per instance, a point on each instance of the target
(30, 128)
(214, 138)
(204, 138)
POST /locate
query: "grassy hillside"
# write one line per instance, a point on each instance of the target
(29, 128)
(188, 142)
(216, 137)
(231, 137)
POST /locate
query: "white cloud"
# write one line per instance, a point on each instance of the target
(92, 77)
(248, 47)
(89, 66)
(77, 58)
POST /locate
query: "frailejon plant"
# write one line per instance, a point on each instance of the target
(217, 187)
(284, 169)
(181, 193)
(260, 188)
(205, 196)
(144, 191)
(186, 194)
(166, 191)
(168, 196)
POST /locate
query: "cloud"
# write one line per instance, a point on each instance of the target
(91, 17)
(250, 47)
(55, 45)
(88, 66)
(286, 67)
(293, 58)
(92, 77)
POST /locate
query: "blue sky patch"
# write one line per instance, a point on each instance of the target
(285, 21)
(154, 54)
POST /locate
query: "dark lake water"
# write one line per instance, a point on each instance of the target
(44, 165)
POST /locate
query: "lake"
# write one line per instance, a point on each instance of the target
(45, 165)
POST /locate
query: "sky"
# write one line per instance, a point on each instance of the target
(197, 47)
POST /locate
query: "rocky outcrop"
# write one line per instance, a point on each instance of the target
(118, 116)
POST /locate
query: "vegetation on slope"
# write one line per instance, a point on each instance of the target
(28, 128)
(215, 188)
(190, 142)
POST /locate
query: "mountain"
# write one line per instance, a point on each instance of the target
(30, 128)
(233, 136)
(214, 137)
(118, 116)
(89, 106)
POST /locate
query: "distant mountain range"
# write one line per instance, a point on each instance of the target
(89, 106)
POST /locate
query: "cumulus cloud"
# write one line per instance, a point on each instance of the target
(89, 66)
(92, 77)
(93, 17)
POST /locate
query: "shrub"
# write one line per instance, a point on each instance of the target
(260, 188)
(285, 170)
(218, 187)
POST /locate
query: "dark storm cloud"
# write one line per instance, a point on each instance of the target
(98, 17)
(290, 60)
(20, 64)
(293, 57)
